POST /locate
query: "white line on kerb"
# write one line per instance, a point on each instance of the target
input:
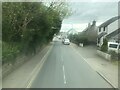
(64, 75)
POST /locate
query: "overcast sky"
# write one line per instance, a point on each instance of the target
(86, 12)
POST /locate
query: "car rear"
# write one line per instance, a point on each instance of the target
(67, 42)
(113, 46)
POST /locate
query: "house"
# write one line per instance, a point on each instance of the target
(91, 32)
(72, 31)
(109, 30)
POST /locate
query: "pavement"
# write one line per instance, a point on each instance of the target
(20, 77)
(61, 67)
(108, 70)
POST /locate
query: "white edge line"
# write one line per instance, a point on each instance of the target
(64, 75)
(37, 69)
(94, 69)
(106, 79)
(79, 55)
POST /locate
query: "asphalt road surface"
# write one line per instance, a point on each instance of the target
(65, 68)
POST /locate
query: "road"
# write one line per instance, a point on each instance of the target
(65, 68)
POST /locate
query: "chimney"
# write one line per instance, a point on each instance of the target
(94, 23)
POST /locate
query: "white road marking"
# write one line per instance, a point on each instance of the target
(64, 75)
(92, 67)
(63, 68)
(79, 54)
(37, 69)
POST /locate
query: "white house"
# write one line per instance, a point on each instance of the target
(110, 30)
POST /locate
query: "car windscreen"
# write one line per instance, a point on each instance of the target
(67, 40)
(113, 45)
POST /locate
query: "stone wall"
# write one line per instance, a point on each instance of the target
(104, 55)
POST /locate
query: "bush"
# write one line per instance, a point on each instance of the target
(83, 40)
(9, 53)
(26, 26)
(104, 46)
(114, 55)
(76, 38)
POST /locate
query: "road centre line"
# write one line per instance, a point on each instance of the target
(63, 68)
(64, 75)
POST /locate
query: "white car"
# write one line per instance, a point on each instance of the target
(66, 42)
(113, 46)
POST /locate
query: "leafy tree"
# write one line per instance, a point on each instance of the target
(78, 38)
(27, 25)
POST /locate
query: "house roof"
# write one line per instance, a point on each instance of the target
(102, 34)
(109, 21)
(116, 32)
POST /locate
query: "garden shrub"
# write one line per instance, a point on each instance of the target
(104, 46)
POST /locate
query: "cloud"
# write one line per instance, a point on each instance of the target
(85, 12)
(78, 27)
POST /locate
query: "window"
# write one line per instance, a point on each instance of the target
(113, 45)
(104, 29)
(98, 40)
(99, 29)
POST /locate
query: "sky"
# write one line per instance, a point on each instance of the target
(87, 11)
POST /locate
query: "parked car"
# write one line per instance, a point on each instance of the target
(66, 42)
(112, 46)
